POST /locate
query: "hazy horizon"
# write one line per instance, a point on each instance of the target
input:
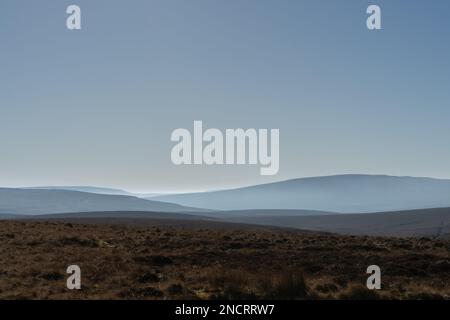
(167, 192)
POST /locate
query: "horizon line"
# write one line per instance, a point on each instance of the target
(162, 193)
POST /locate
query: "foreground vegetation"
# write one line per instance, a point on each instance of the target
(155, 259)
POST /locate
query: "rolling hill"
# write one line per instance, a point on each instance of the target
(97, 190)
(341, 193)
(425, 222)
(264, 213)
(35, 201)
(124, 215)
(433, 223)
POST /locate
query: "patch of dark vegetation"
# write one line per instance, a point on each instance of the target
(139, 293)
(157, 260)
(148, 278)
(175, 289)
(425, 296)
(327, 288)
(77, 241)
(50, 276)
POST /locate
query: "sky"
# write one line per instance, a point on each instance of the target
(97, 106)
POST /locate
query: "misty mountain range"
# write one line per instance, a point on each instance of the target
(391, 205)
(341, 193)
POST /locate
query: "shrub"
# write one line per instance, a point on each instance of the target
(287, 284)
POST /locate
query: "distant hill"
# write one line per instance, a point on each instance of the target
(98, 190)
(8, 216)
(424, 222)
(33, 202)
(263, 213)
(433, 223)
(341, 193)
(123, 215)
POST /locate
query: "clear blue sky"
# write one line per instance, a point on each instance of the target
(97, 106)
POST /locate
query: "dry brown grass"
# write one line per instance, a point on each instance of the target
(155, 260)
